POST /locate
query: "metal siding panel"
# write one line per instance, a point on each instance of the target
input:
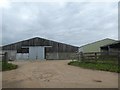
(36, 53)
(40, 53)
(32, 53)
(22, 56)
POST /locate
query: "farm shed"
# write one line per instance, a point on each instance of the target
(40, 48)
(113, 47)
(95, 46)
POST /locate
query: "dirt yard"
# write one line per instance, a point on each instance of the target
(56, 74)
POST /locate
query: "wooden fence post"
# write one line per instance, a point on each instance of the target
(95, 56)
(5, 57)
(81, 56)
(78, 56)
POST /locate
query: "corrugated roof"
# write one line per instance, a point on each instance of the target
(98, 41)
(111, 43)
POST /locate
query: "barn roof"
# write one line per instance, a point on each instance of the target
(98, 41)
(115, 44)
(55, 46)
(38, 38)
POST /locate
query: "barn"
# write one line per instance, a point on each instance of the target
(95, 46)
(39, 48)
(113, 47)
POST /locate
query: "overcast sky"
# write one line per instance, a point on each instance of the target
(75, 23)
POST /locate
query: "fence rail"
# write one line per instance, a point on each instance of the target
(98, 56)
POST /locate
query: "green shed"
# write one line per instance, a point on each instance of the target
(95, 46)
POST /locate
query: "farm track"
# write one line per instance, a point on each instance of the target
(56, 74)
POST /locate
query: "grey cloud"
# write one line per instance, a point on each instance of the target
(73, 23)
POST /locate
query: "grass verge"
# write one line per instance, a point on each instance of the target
(97, 66)
(8, 66)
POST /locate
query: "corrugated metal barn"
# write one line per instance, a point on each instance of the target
(39, 48)
(95, 46)
(113, 47)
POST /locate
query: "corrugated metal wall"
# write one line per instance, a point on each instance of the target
(36, 53)
(60, 56)
(22, 56)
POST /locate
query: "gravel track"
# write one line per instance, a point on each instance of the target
(56, 74)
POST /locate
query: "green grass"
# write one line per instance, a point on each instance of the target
(97, 66)
(8, 66)
(105, 61)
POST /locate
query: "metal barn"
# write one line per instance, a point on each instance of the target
(39, 48)
(113, 47)
(95, 46)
